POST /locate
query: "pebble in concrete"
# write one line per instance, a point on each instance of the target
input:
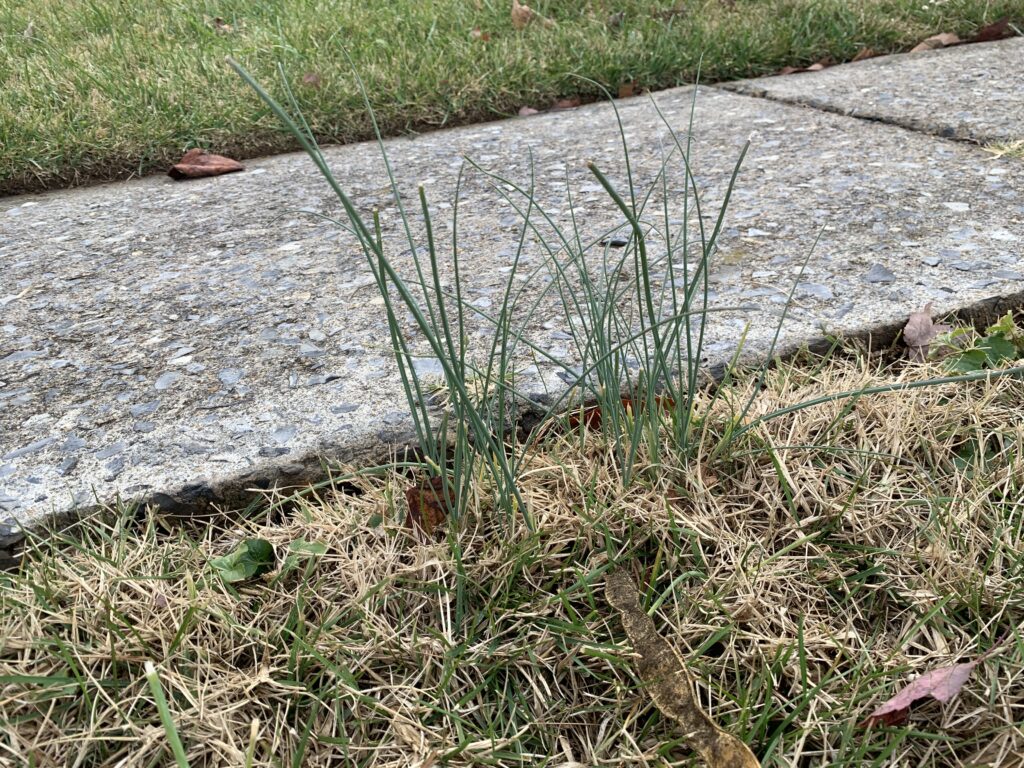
(250, 343)
(968, 92)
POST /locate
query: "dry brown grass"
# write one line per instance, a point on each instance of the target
(805, 574)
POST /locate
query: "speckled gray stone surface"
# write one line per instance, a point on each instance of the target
(185, 343)
(969, 92)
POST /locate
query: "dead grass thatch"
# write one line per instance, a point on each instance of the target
(805, 574)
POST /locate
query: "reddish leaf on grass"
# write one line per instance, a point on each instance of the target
(997, 30)
(427, 508)
(478, 34)
(527, 111)
(920, 331)
(941, 684)
(942, 40)
(591, 414)
(197, 163)
(312, 80)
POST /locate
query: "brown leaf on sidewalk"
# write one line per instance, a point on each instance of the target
(667, 680)
(920, 331)
(942, 40)
(527, 111)
(197, 163)
(427, 508)
(997, 30)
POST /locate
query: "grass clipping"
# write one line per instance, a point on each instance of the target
(664, 672)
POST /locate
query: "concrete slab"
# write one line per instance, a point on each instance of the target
(969, 92)
(186, 343)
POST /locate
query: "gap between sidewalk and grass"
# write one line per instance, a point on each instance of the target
(97, 90)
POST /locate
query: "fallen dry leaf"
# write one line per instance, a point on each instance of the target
(942, 40)
(197, 163)
(941, 684)
(570, 103)
(478, 34)
(920, 331)
(815, 67)
(997, 30)
(219, 25)
(667, 680)
(865, 53)
(591, 414)
(427, 509)
(627, 90)
(312, 80)
(523, 15)
(526, 111)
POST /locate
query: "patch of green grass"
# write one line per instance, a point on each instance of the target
(1013, 149)
(105, 89)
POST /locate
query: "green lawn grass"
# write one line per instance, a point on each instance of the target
(107, 89)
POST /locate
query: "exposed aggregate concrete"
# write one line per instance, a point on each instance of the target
(967, 92)
(189, 344)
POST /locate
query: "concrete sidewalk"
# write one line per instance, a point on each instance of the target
(189, 344)
(969, 92)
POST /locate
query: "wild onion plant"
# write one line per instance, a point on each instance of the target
(638, 345)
